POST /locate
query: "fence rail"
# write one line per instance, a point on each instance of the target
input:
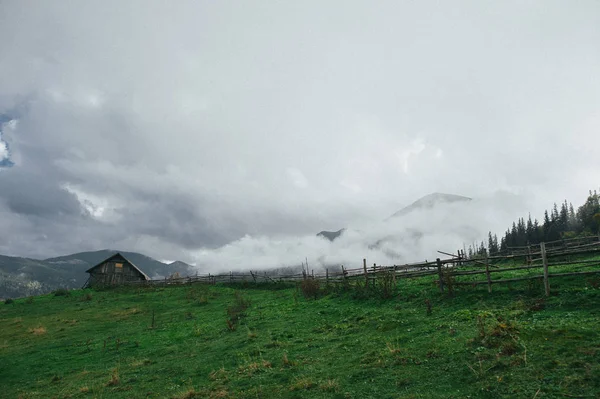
(448, 271)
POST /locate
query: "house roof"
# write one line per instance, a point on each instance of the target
(127, 260)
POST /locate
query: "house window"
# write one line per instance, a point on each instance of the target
(118, 267)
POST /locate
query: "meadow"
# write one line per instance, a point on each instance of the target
(273, 341)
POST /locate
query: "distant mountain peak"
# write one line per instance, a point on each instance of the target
(331, 235)
(429, 201)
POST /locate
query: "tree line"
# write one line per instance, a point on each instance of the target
(559, 222)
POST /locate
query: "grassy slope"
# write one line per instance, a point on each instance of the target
(512, 343)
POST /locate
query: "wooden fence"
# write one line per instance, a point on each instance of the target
(448, 271)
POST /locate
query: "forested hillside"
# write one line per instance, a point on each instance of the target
(560, 222)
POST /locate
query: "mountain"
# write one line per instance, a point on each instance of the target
(427, 202)
(331, 235)
(23, 276)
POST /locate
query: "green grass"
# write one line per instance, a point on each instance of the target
(271, 342)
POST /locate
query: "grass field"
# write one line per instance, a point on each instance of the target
(271, 342)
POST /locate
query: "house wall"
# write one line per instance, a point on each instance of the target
(109, 273)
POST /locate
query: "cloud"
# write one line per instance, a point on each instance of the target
(235, 124)
(414, 237)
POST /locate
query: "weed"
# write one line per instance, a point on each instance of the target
(385, 284)
(231, 326)
(29, 300)
(85, 298)
(428, 304)
(84, 389)
(254, 367)
(479, 371)
(218, 375)
(236, 311)
(448, 277)
(302, 383)
(114, 378)
(594, 282)
(61, 292)
(251, 334)
(219, 394)
(40, 330)
(286, 361)
(329, 385)
(393, 349)
(537, 305)
(189, 394)
(310, 288)
(203, 300)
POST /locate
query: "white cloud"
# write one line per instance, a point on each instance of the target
(411, 238)
(283, 120)
(297, 177)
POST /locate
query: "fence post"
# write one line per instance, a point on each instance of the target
(394, 276)
(366, 273)
(545, 261)
(487, 274)
(343, 274)
(374, 275)
(440, 274)
(529, 259)
(326, 276)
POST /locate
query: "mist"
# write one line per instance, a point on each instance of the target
(413, 237)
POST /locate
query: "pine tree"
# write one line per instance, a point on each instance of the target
(554, 215)
(546, 226)
(563, 224)
(573, 222)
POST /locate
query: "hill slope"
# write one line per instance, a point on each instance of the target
(176, 343)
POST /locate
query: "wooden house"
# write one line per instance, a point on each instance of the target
(115, 270)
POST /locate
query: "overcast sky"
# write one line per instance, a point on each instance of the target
(186, 130)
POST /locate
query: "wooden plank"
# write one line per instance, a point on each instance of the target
(366, 274)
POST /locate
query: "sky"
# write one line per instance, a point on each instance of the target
(229, 133)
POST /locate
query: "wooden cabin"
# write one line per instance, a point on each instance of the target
(115, 270)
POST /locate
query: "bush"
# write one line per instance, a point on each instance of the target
(86, 298)
(236, 311)
(310, 288)
(61, 292)
(8, 301)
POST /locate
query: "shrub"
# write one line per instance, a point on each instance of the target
(8, 301)
(86, 298)
(114, 378)
(385, 283)
(29, 299)
(61, 292)
(310, 288)
(237, 310)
